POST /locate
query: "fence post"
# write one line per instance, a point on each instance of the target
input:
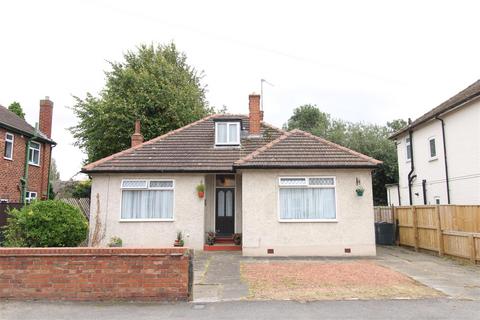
(473, 253)
(415, 227)
(439, 231)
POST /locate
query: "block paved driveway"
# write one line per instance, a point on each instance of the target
(218, 276)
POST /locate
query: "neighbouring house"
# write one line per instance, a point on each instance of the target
(287, 193)
(25, 164)
(439, 154)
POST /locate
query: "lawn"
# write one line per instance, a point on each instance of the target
(329, 280)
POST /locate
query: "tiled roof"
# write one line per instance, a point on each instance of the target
(192, 149)
(299, 149)
(471, 92)
(10, 120)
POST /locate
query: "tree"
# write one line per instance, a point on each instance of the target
(153, 84)
(16, 108)
(368, 139)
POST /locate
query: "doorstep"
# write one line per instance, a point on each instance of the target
(222, 247)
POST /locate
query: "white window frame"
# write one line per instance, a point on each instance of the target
(228, 143)
(9, 140)
(35, 149)
(148, 188)
(30, 195)
(280, 186)
(408, 144)
(3, 200)
(430, 151)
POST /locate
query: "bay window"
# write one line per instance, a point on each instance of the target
(307, 199)
(147, 199)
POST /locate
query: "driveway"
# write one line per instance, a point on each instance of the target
(230, 276)
(456, 279)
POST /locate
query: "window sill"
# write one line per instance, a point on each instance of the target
(146, 220)
(433, 159)
(33, 164)
(10, 159)
(308, 220)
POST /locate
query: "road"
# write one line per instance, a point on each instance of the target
(372, 309)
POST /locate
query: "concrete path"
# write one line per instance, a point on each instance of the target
(279, 310)
(217, 277)
(457, 280)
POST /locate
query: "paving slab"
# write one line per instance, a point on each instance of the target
(455, 279)
(217, 277)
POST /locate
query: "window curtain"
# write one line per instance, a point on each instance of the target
(232, 129)
(147, 204)
(307, 203)
(222, 132)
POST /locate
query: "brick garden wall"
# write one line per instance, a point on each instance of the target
(95, 274)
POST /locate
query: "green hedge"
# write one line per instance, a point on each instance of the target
(48, 223)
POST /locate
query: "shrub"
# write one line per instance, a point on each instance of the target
(45, 224)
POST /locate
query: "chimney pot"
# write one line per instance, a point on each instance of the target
(255, 115)
(137, 137)
(45, 116)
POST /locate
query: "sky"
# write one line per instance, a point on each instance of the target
(370, 61)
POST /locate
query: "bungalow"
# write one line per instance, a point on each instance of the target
(287, 193)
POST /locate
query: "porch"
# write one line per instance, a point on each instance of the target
(223, 211)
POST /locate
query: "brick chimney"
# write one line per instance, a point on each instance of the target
(45, 117)
(137, 137)
(255, 115)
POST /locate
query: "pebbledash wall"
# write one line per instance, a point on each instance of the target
(188, 215)
(96, 274)
(262, 230)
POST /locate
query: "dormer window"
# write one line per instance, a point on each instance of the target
(227, 133)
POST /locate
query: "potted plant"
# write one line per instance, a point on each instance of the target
(211, 238)
(115, 242)
(237, 239)
(359, 191)
(179, 241)
(201, 190)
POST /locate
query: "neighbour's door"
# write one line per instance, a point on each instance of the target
(225, 211)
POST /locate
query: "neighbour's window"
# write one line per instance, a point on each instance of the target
(34, 156)
(8, 154)
(3, 200)
(437, 200)
(30, 196)
(227, 133)
(147, 199)
(433, 148)
(408, 146)
(307, 198)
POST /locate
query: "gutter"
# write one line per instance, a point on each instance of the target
(436, 115)
(447, 182)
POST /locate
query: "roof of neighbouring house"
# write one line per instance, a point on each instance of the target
(11, 121)
(192, 149)
(470, 93)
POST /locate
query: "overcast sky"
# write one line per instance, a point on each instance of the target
(369, 61)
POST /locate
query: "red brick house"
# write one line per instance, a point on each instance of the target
(26, 155)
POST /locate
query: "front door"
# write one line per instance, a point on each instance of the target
(225, 211)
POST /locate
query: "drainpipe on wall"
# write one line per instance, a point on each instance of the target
(445, 159)
(411, 176)
(424, 189)
(49, 172)
(24, 179)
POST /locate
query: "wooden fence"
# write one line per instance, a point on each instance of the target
(383, 214)
(447, 229)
